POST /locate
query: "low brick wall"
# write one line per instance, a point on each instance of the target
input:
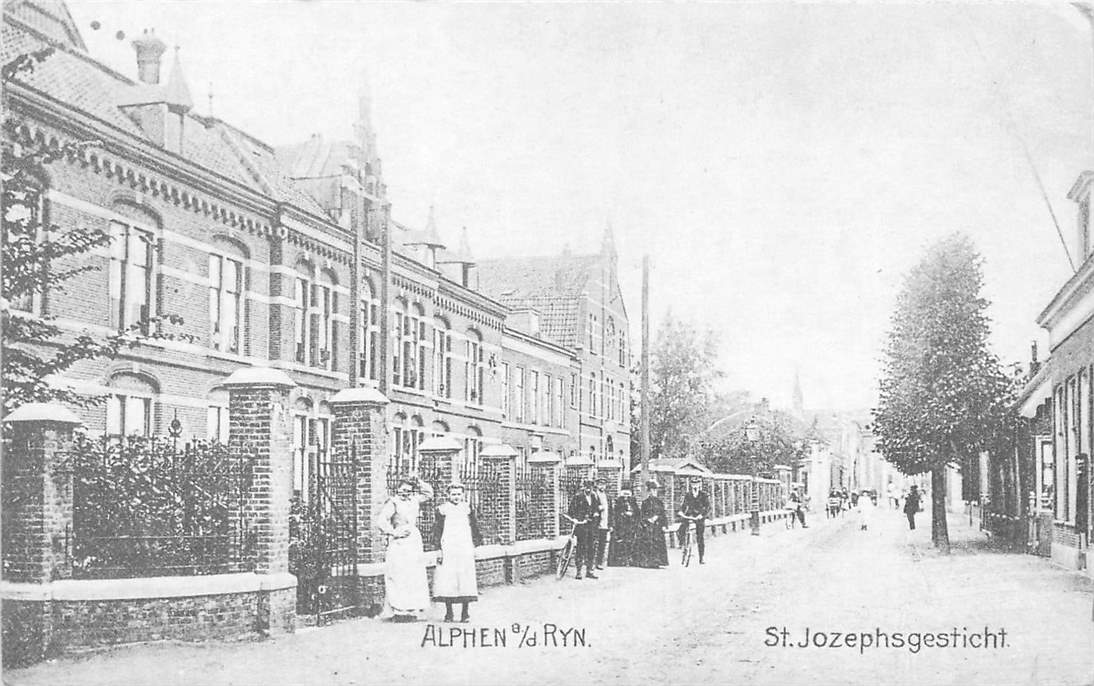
(45, 620)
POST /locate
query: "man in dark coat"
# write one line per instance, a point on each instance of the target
(911, 506)
(695, 508)
(584, 512)
(624, 529)
(650, 548)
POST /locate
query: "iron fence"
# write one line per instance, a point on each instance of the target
(146, 506)
(535, 504)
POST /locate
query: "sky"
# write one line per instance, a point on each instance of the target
(784, 165)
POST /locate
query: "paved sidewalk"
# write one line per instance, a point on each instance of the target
(705, 623)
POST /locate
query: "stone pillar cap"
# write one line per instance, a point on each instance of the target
(497, 450)
(258, 376)
(439, 444)
(363, 394)
(544, 457)
(43, 412)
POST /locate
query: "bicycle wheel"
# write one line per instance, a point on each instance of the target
(564, 556)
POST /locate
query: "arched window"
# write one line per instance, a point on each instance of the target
(420, 340)
(400, 442)
(227, 296)
(438, 429)
(216, 416)
(623, 349)
(609, 448)
(368, 334)
(472, 445)
(474, 372)
(609, 337)
(592, 394)
(442, 359)
(414, 436)
(129, 407)
(132, 278)
(315, 302)
(398, 354)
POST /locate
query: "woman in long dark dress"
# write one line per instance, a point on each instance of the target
(624, 530)
(652, 551)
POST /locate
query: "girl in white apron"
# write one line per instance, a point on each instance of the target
(458, 533)
(406, 588)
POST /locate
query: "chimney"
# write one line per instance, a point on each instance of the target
(1034, 364)
(150, 50)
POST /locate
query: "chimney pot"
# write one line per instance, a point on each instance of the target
(149, 50)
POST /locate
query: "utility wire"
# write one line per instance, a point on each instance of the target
(1013, 129)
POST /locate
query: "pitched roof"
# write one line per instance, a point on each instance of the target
(50, 18)
(553, 286)
(75, 78)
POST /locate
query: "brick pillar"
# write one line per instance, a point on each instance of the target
(610, 473)
(259, 424)
(545, 465)
(37, 503)
(360, 424)
(501, 460)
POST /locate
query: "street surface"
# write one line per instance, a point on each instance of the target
(701, 624)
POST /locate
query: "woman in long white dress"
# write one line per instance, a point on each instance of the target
(454, 578)
(865, 510)
(406, 588)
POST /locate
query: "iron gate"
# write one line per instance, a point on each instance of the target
(323, 538)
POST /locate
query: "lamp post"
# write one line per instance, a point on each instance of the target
(753, 436)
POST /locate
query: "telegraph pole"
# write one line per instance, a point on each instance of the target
(385, 298)
(645, 421)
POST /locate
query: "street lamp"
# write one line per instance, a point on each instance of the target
(753, 436)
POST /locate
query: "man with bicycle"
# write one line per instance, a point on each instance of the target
(694, 508)
(584, 512)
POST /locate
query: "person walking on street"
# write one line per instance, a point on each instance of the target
(455, 528)
(584, 512)
(694, 509)
(406, 588)
(799, 507)
(604, 524)
(650, 549)
(911, 506)
(865, 511)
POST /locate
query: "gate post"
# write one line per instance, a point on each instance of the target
(259, 423)
(37, 518)
(360, 421)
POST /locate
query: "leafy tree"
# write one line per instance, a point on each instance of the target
(682, 379)
(771, 441)
(37, 259)
(944, 396)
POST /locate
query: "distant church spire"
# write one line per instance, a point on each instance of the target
(798, 401)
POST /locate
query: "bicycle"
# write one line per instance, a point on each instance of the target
(686, 547)
(567, 553)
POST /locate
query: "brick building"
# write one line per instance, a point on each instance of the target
(576, 301)
(1057, 402)
(272, 256)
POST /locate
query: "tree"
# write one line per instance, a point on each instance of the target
(755, 450)
(682, 379)
(37, 259)
(944, 396)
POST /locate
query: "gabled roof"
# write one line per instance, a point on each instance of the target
(51, 18)
(553, 286)
(76, 79)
